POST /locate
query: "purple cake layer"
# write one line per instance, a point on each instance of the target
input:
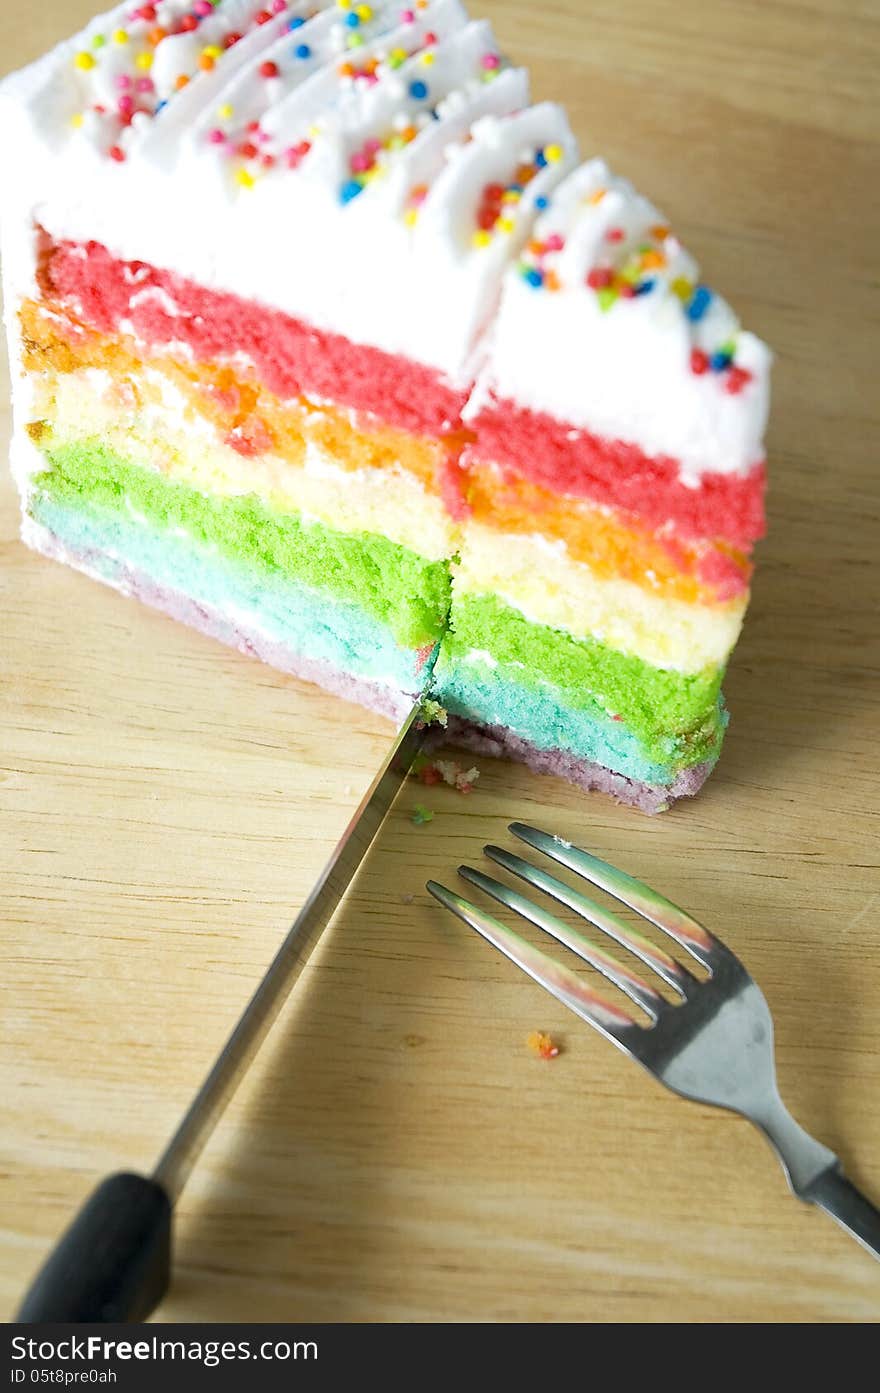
(497, 741)
(385, 701)
(502, 743)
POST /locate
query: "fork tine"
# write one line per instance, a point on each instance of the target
(674, 921)
(647, 952)
(610, 1020)
(628, 982)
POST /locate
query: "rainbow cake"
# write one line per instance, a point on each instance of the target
(325, 342)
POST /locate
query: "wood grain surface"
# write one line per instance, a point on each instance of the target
(397, 1152)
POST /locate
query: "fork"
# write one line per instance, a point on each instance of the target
(713, 1044)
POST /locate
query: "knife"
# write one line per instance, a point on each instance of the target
(114, 1261)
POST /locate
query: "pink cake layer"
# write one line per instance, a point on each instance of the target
(564, 459)
(383, 700)
(290, 358)
(502, 743)
(295, 359)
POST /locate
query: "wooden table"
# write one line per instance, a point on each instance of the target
(397, 1152)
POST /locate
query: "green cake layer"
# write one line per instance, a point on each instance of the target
(674, 718)
(400, 589)
(673, 714)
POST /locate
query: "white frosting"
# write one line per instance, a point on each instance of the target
(241, 179)
(285, 236)
(624, 369)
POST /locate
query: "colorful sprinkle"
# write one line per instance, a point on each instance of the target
(542, 1044)
(421, 815)
(698, 304)
(736, 379)
(418, 90)
(269, 69)
(699, 361)
(719, 361)
(297, 153)
(600, 277)
(415, 199)
(302, 51)
(84, 61)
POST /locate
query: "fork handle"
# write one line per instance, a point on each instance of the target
(838, 1196)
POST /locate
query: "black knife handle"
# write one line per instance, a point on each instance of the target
(113, 1263)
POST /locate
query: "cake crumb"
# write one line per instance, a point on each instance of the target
(407, 899)
(446, 771)
(542, 1044)
(433, 713)
(421, 815)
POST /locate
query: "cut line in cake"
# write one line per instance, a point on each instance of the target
(325, 342)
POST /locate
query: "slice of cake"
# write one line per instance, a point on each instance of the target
(611, 493)
(322, 343)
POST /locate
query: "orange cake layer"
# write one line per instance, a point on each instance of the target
(610, 542)
(244, 413)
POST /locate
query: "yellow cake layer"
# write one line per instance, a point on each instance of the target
(147, 418)
(540, 579)
(228, 396)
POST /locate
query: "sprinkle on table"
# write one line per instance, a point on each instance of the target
(542, 1044)
(421, 815)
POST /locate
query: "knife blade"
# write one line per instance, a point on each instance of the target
(114, 1261)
